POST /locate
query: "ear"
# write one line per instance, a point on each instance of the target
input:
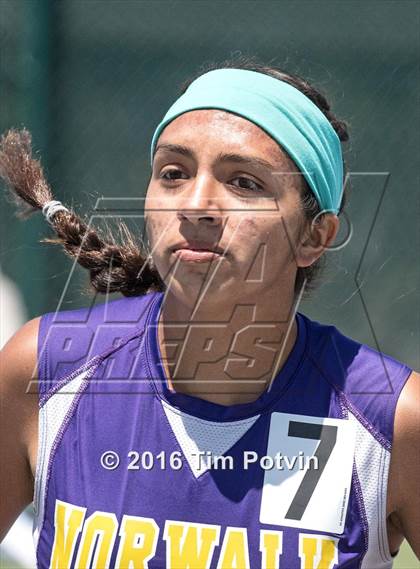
(318, 236)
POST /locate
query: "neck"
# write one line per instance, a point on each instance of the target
(227, 354)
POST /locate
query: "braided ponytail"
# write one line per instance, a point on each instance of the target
(125, 268)
(112, 267)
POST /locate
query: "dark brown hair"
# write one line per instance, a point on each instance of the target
(305, 277)
(126, 268)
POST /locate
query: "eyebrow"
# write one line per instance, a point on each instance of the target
(221, 157)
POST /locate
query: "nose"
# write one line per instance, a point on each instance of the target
(201, 202)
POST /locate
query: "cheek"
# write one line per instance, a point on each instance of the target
(151, 230)
(155, 217)
(259, 233)
(157, 230)
(265, 246)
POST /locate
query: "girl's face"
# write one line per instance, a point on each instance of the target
(219, 179)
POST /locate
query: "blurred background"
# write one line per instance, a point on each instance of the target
(91, 79)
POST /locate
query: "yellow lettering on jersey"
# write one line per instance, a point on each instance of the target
(271, 547)
(317, 551)
(68, 521)
(97, 540)
(190, 545)
(138, 542)
(234, 553)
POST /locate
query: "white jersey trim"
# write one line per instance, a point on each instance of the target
(372, 466)
(196, 435)
(52, 417)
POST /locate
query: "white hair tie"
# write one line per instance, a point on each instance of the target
(51, 208)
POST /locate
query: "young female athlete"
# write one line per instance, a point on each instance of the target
(201, 421)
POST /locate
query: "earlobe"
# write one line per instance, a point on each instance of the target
(319, 236)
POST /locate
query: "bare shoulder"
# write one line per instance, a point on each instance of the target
(403, 495)
(22, 346)
(18, 365)
(18, 421)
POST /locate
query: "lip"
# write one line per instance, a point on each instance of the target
(193, 255)
(196, 245)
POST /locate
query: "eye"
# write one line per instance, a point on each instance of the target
(171, 175)
(248, 184)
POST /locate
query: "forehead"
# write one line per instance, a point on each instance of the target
(214, 130)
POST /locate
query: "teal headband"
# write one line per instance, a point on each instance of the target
(283, 112)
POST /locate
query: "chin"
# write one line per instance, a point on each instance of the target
(189, 290)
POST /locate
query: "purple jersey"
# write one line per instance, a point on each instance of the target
(132, 474)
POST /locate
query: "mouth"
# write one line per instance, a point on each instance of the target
(197, 252)
(195, 256)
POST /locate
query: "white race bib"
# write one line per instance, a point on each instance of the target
(312, 486)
